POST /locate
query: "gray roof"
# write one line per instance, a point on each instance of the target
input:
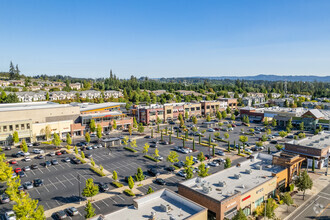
(316, 113)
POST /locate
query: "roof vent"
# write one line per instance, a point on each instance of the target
(248, 171)
(222, 183)
(237, 176)
(243, 186)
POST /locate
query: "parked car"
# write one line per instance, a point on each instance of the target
(34, 166)
(210, 130)
(7, 147)
(159, 158)
(148, 137)
(213, 164)
(36, 144)
(221, 153)
(58, 153)
(75, 160)
(273, 141)
(170, 168)
(28, 185)
(4, 198)
(67, 159)
(60, 215)
(29, 144)
(88, 155)
(103, 187)
(153, 145)
(13, 162)
(10, 215)
(16, 155)
(38, 182)
(64, 152)
(47, 164)
(51, 154)
(72, 211)
(40, 157)
(17, 170)
(160, 181)
(26, 168)
(54, 162)
(37, 151)
(249, 151)
(153, 172)
(21, 174)
(89, 148)
(26, 159)
(179, 164)
(182, 173)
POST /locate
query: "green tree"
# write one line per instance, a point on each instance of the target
(133, 143)
(304, 182)
(130, 182)
(92, 162)
(186, 115)
(243, 139)
(90, 189)
(228, 110)
(193, 144)
(114, 175)
(274, 122)
(87, 137)
(232, 117)
(150, 190)
(57, 140)
(202, 170)
(24, 146)
(114, 124)
(92, 125)
(152, 133)
(75, 150)
(283, 134)
(82, 155)
(48, 132)
(227, 163)
(201, 156)
(219, 115)
(156, 153)
(172, 157)
(289, 124)
(125, 140)
(194, 119)
(224, 114)
(139, 175)
(228, 147)
(287, 200)
(264, 138)
(146, 148)
(208, 118)
(268, 131)
(135, 124)
(266, 121)
(239, 215)
(47, 96)
(140, 128)
(90, 211)
(301, 126)
(68, 139)
(15, 137)
(226, 135)
(99, 131)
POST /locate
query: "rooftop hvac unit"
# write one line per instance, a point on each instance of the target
(164, 208)
(243, 186)
(198, 180)
(248, 171)
(269, 166)
(222, 183)
(257, 167)
(237, 176)
(206, 189)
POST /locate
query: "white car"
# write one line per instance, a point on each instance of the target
(27, 159)
(24, 153)
(221, 153)
(10, 215)
(29, 144)
(159, 158)
(249, 151)
(210, 130)
(230, 129)
(213, 164)
(38, 151)
(195, 170)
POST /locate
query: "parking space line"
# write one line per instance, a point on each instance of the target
(61, 166)
(57, 202)
(120, 197)
(113, 200)
(55, 168)
(96, 205)
(37, 191)
(40, 170)
(48, 169)
(75, 177)
(60, 181)
(47, 205)
(68, 180)
(46, 188)
(53, 185)
(33, 172)
(105, 203)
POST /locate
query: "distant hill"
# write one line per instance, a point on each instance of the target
(273, 78)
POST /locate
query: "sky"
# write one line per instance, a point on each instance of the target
(168, 38)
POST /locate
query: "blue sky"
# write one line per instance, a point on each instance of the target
(165, 38)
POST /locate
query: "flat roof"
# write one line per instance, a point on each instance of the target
(31, 106)
(102, 114)
(178, 207)
(319, 141)
(243, 178)
(92, 106)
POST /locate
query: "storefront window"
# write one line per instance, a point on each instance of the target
(258, 202)
(247, 211)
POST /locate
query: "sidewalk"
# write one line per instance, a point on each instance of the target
(319, 183)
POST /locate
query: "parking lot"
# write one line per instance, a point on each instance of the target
(63, 183)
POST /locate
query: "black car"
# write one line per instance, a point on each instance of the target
(8, 148)
(75, 160)
(148, 137)
(64, 152)
(81, 144)
(21, 174)
(171, 169)
(208, 156)
(36, 144)
(40, 157)
(38, 182)
(88, 155)
(103, 187)
(153, 172)
(34, 166)
(160, 181)
(273, 141)
(16, 155)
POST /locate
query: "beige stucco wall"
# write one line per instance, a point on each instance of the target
(56, 127)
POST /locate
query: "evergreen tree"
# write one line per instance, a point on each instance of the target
(304, 182)
(150, 190)
(90, 189)
(24, 146)
(90, 211)
(68, 139)
(92, 125)
(239, 215)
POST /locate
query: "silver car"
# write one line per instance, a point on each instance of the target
(28, 185)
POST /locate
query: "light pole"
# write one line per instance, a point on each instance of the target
(79, 198)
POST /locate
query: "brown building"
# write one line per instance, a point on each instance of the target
(211, 107)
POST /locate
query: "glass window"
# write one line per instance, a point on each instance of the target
(16, 127)
(4, 128)
(27, 126)
(258, 202)
(10, 128)
(169, 111)
(22, 126)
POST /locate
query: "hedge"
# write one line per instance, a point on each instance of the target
(46, 142)
(97, 170)
(117, 184)
(130, 149)
(218, 139)
(81, 159)
(129, 192)
(151, 158)
(206, 142)
(242, 155)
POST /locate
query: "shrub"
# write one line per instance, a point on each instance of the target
(47, 142)
(117, 184)
(291, 187)
(151, 158)
(97, 170)
(206, 142)
(129, 192)
(81, 159)
(281, 202)
(279, 146)
(242, 155)
(130, 149)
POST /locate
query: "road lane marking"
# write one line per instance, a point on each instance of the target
(53, 185)
(68, 180)
(326, 194)
(306, 207)
(75, 177)
(113, 200)
(96, 206)
(120, 197)
(105, 203)
(46, 188)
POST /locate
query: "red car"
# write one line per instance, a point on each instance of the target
(233, 125)
(17, 170)
(217, 129)
(58, 153)
(13, 162)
